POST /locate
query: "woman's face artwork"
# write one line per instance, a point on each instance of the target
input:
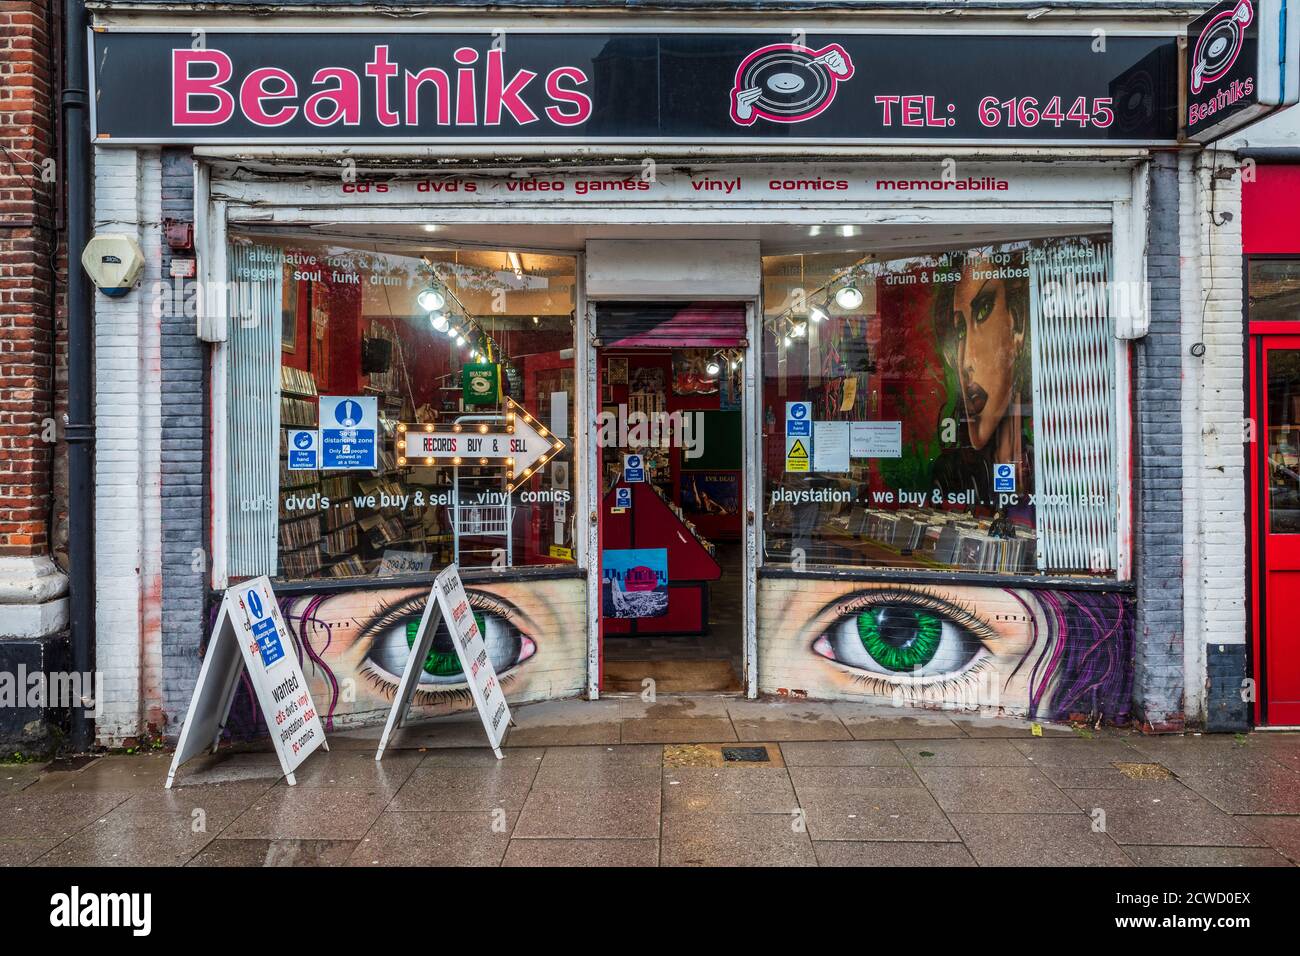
(360, 641)
(1037, 653)
(988, 343)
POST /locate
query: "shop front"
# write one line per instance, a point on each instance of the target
(745, 372)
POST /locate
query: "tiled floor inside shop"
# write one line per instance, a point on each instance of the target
(623, 781)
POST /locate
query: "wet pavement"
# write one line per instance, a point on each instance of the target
(685, 781)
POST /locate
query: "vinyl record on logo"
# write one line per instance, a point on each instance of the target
(1219, 44)
(787, 83)
(792, 85)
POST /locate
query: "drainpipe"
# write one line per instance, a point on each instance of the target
(80, 429)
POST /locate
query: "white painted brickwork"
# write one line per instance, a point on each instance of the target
(1213, 394)
(128, 544)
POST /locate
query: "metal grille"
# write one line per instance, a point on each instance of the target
(1073, 353)
(253, 409)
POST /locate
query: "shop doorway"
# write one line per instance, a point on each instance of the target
(1275, 526)
(671, 448)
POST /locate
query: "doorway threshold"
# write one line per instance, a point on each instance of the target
(671, 677)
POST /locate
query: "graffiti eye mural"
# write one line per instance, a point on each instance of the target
(900, 635)
(393, 629)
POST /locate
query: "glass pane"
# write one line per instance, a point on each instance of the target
(423, 336)
(1274, 290)
(950, 410)
(1284, 441)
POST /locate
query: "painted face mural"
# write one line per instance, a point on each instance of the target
(1046, 654)
(355, 645)
(988, 319)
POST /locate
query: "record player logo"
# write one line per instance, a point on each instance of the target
(1219, 44)
(788, 83)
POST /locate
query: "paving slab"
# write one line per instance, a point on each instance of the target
(678, 730)
(994, 790)
(895, 853)
(1172, 816)
(604, 732)
(885, 813)
(809, 780)
(504, 785)
(1179, 856)
(631, 708)
(18, 776)
(734, 839)
(134, 839)
(357, 770)
(962, 753)
(761, 720)
(1078, 752)
(1011, 727)
(51, 817)
(872, 722)
(590, 814)
(737, 789)
(1280, 832)
(1036, 839)
(851, 753)
(480, 757)
(435, 838)
(1141, 776)
(570, 853)
(223, 852)
(1247, 788)
(308, 813)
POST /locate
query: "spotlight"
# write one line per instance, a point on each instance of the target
(537, 320)
(431, 299)
(798, 330)
(713, 368)
(817, 314)
(452, 331)
(439, 320)
(460, 340)
(849, 297)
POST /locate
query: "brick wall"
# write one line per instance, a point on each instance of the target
(28, 251)
(128, 545)
(1158, 466)
(185, 560)
(1214, 465)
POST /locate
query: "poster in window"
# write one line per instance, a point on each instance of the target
(711, 492)
(634, 582)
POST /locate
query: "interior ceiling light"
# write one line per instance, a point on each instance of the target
(460, 340)
(818, 314)
(799, 330)
(849, 297)
(431, 299)
(439, 320)
(713, 368)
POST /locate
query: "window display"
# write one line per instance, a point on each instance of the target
(361, 346)
(949, 410)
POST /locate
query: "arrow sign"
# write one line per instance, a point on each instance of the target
(521, 444)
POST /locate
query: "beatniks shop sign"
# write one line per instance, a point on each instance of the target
(410, 87)
(1238, 68)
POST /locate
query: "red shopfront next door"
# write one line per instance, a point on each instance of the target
(1275, 526)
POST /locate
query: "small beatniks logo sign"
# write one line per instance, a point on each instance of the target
(1219, 44)
(787, 83)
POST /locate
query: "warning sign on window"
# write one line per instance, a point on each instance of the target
(796, 453)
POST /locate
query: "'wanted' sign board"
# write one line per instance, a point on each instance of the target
(250, 633)
(449, 603)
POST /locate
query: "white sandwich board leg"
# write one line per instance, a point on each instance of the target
(411, 672)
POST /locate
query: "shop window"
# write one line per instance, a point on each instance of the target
(1274, 287)
(951, 410)
(337, 353)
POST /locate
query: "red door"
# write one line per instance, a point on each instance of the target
(1275, 530)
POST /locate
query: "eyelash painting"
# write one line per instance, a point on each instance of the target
(1050, 654)
(353, 646)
